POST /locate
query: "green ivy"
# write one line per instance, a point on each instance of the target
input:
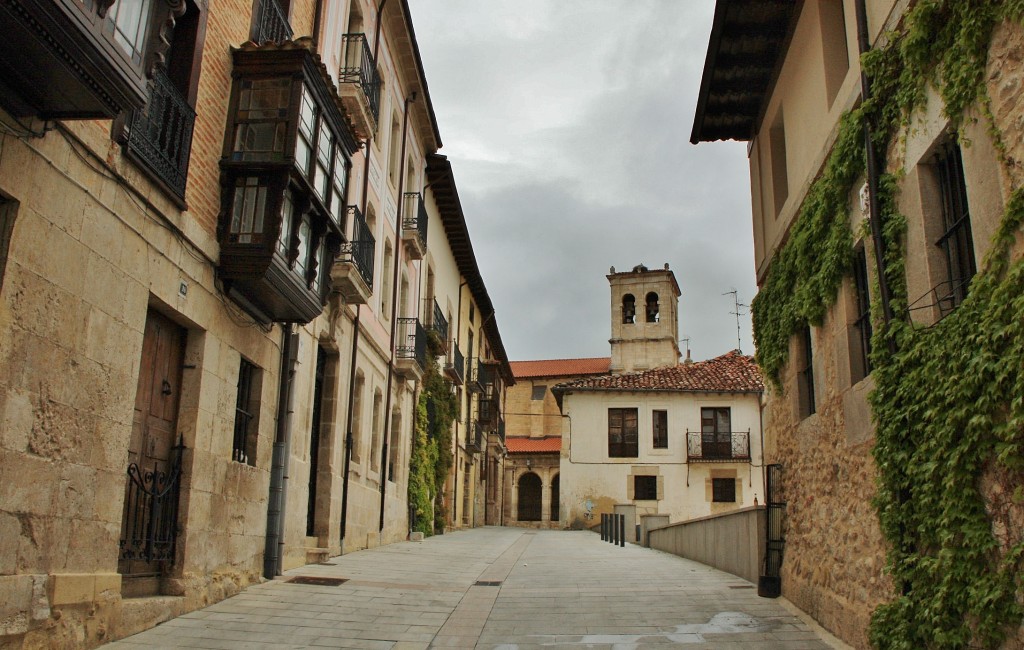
(948, 403)
(431, 450)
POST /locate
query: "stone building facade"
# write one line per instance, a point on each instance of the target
(213, 300)
(533, 439)
(801, 78)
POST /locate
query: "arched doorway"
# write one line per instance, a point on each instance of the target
(529, 498)
(554, 498)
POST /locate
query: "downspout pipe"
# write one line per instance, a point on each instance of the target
(864, 45)
(875, 221)
(274, 547)
(348, 428)
(395, 288)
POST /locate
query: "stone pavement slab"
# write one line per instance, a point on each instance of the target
(494, 588)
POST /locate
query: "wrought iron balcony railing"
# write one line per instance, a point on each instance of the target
(160, 134)
(490, 408)
(362, 246)
(271, 23)
(414, 222)
(722, 446)
(475, 439)
(473, 375)
(411, 342)
(455, 365)
(359, 68)
(438, 323)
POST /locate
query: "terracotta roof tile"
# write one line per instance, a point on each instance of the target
(560, 367)
(730, 373)
(533, 445)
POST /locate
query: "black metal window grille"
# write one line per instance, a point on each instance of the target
(723, 490)
(242, 449)
(645, 488)
(271, 23)
(956, 241)
(622, 433)
(160, 134)
(862, 324)
(805, 375)
(660, 424)
(776, 539)
(151, 511)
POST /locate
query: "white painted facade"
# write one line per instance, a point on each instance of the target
(593, 483)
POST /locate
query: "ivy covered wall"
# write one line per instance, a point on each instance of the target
(948, 402)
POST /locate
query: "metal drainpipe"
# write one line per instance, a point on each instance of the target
(272, 554)
(395, 288)
(864, 46)
(348, 428)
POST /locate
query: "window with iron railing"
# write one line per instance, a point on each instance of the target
(270, 22)
(860, 343)
(243, 447)
(723, 490)
(358, 67)
(957, 241)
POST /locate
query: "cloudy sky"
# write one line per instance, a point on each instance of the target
(567, 123)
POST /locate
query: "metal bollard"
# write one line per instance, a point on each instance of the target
(615, 530)
(622, 530)
(604, 527)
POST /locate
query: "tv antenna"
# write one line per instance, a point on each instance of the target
(737, 306)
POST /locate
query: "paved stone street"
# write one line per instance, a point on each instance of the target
(501, 588)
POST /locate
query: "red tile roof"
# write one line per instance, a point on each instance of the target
(560, 367)
(730, 373)
(533, 445)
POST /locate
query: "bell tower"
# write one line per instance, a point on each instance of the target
(645, 319)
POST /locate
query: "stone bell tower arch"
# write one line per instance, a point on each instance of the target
(645, 319)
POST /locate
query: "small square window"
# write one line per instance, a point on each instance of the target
(645, 488)
(539, 391)
(723, 490)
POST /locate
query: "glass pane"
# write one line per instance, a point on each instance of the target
(248, 212)
(129, 18)
(315, 255)
(337, 209)
(723, 420)
(259, 141)
(302, 259)
(302, 153)
(321, 179)
(307, 114)
(323, 146)
(284, 242)
(264, 99)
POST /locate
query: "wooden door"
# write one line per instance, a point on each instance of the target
(151, 466)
